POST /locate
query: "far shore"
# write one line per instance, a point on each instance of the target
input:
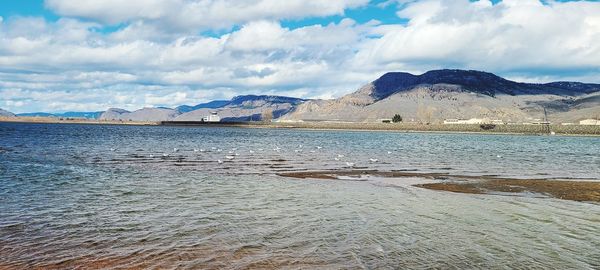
(521, 129)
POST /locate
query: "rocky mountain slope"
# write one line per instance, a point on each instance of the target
(443, 94)
(4, 113)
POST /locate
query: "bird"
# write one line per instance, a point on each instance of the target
(219, 150)
(229, 157)
(389, 152)
(112, 149)
(202, 150)
(251, 152)
(213, 148)
(499, 156)
(175, 149)
(319, 147)
(298, 150)
(196, 150)
(340, 156)
(336, 159)
(350, 164)
(165, 155)
(373, 160)
(219, 161)
(151, 156)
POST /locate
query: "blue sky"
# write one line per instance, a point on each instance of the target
(87, 55)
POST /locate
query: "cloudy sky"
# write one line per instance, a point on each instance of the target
(88, 55)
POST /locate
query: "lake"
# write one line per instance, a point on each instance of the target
(100, 196)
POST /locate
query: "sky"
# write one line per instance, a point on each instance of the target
(91, 55)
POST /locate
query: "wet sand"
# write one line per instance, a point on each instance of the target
(566, 189)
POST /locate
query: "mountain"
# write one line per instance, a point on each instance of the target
(443, 94)
(209, 105)
(4, 113)
(141, 115)
(88, 115)
(240, 108)
(246, 108)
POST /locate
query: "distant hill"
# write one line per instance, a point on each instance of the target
(88, 115)
(209, 105)
(239, 108)
(5, 113)
(474, 81)
(443, 94)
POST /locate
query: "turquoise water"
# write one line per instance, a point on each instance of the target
(128, 196)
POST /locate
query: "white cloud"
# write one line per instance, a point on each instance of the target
(71, 64)
(195, 14)
(511, 35)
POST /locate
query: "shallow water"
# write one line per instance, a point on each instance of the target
(108, 196)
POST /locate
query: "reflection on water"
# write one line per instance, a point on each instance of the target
(105, 196)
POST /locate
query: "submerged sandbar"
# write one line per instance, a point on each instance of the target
(566, 189)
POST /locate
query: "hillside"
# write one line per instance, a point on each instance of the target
(443, 94)
(5, 113)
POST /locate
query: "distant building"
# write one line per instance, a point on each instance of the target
(590, 122)
(472, 121)
(213, 117)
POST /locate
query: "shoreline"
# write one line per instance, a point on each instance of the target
(516, 129)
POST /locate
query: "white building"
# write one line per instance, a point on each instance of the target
(590, 122)
(472, 121)
(213, 117)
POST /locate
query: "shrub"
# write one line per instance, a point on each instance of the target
(397, 118)
(487, 126)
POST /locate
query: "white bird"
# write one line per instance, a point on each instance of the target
(251, 152)
(499, 156)
(230, 152)
(373, 160)
(165, 155)
(389, 152)
(319, 147)
(196, 150)
(298, 150)
(340, 156)
(236, 154)
(175, 149)
(350, 164)
(336, 159)
(219, 150)
(213, 148)
(202, 150)
(112, 149)
(219, 161)
(300, 146)
(151, 156)
(229, 157)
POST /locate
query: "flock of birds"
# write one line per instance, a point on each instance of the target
(233, 153)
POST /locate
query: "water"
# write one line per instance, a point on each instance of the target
(120, 196)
